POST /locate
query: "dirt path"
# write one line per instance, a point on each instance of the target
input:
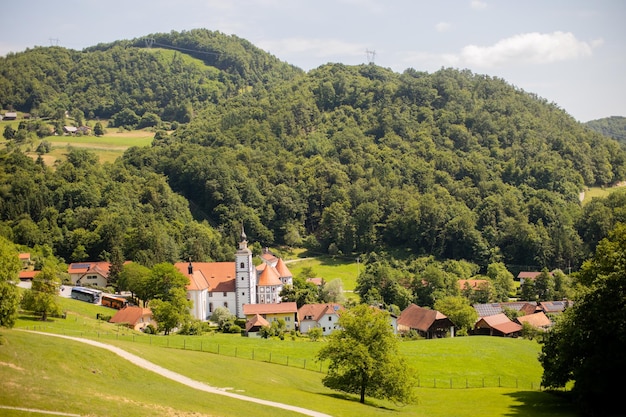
(185, 380)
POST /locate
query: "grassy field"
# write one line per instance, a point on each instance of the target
(62, 375)
(599, 192)
(329, 268)
(107, 147)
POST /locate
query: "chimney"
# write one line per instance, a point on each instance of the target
(190, 268)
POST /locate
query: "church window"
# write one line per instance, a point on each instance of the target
(210, 307)
(225, 304)
(242, 265)
(224, 293)
(243, 293)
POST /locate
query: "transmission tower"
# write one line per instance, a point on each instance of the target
(371, 56)
(149, 42)
(54, 41)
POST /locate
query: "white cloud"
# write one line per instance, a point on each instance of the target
(319, 48)
(528, 48)
(442, 26)
(478, 4)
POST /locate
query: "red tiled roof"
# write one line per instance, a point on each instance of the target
(250, 309)
(416, 317)
(130, 315)
(317, 311)
(268, 275)
(83, 267)
(530, 274)
(282, 269)
(315, 281)
(24, 256)
(256, 321)
(499, 322)
(28, 274)
(536, 320)
(214, 276)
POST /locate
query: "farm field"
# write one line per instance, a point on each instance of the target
(329, 268)
(52, 369)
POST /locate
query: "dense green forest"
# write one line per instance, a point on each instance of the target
(342, 159)
(614, 127)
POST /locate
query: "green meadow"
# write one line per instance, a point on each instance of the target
(329, 268)
(44, 372)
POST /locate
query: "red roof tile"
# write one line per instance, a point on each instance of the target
(130, 315)
(214, 276)
(415, 317)
(268, 275)
(536, 320)
(282, 269)
(290, 307)
(499, 322)
(317, 311)
(28, 274)
(256, 321)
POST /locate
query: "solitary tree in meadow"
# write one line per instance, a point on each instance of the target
(364, 357)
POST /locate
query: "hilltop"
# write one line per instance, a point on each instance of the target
(340, 159)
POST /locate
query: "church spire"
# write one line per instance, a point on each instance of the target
(243, 244)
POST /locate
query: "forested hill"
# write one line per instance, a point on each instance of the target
(613, 127)
(171, 75)
(344, 159)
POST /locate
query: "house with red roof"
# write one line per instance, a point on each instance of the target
(273, 312)
(497, 325)
(324, 316)
(89, 273)
(426, 322)
(134, 317)
(234, 284)
(538, 320)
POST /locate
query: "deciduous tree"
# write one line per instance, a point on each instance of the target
(364, 357)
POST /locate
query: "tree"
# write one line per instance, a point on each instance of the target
(40, 299)
(166, 314)
(364, 357)
(9, 132)
(9, 294)
(133, 278)
(502, 280)
(98, 130)
(223, 317)
(587, 343)
(459, 311)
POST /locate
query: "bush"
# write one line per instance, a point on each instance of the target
(315, 334)
(234, 329)
(149, 329)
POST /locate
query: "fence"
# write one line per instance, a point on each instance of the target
(195, 343)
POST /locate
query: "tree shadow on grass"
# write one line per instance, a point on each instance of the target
(355, 399)
(542, 403)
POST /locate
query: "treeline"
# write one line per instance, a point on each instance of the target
(343, 159)
(83, 210)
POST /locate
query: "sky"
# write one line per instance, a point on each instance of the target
(569, 52)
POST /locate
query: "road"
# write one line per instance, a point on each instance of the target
(186, 380)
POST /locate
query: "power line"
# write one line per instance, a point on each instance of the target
(371, 56)
(54, 41)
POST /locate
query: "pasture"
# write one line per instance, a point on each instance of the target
(62, 375)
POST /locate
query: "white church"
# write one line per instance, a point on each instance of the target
(233, 284)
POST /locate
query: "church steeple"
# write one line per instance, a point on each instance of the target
(243, 243)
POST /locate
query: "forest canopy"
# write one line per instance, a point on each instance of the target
(342, 159)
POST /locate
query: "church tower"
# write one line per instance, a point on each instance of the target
(245, 284)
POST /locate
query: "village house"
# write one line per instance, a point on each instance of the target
(288, 312)
(497, 325)
(537, 320)
(426, 322)
(89, 273)
(233, 284)
(324, 316)
(134, 317)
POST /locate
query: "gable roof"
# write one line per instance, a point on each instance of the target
(280, 308)
(491, 309)
(101, 267)
(415, 317)
(536, 320)
(256, 321)
(130, 315)
(529, 274)
(554, 306)
(499, 322)
(318, 311)
(28, 275)
(212, 276)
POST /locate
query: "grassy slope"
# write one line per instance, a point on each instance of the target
(66, 376)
